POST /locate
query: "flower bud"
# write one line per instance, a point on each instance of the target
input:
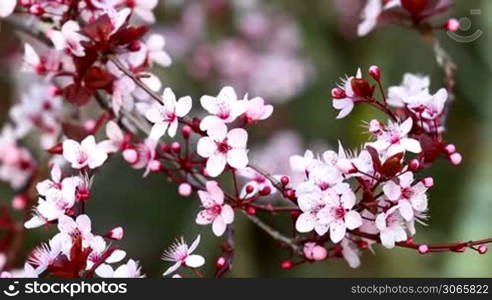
(175, 147)
(251, 210)
(338, 93)
(287, 264)
(185, 189)
(116, 233)
(186, 131)
(130, 156)
(36, 10)
(284, 180)
(482, 249)
(423, 249)
(414, 165)
(220, 263)
(450, 149)
(452, 25)
(249, 189)
(456, 158)
(265, 191)
(155, 166)
(428, 182)
(414, 7)
(375, 72)
(19, 202)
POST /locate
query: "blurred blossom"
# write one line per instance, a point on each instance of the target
(262, 47)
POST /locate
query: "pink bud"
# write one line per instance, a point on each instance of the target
(456, 158)
(25, 3)
(319, 253)
(287, 264)
(36, 10)
(186, 131)
(375, 72)
(6, 274)
(284, 180)
(55, 91)
(338, 93)
(428, 182)
(450, 149)
(178, 276)
(452, 25)
(265, 191)
(482, 249)
(185, 189)
(175, 147)
(19, 202)
(249, 189)
(155, 165)
(423, 249)
(220, 263)
(251, 210)
(89, 125)
(130, 156)
(116, 233)
(414, 165)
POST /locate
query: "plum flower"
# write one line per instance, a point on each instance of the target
(166, 117)
(257, 110)
(181, 255)
(394, 139)
(410, 198)
(68, 39)
(346, 103)
(225, 106)
(70, 228)
(43, 256)
(221, 147)
(412, 85)
(86, 154)
(371, 13)
(144, 9)
(330, 209)
(7, 7)
(129, 270)
(391, 227)
(427, 106)
(116, 139)
(215, 211)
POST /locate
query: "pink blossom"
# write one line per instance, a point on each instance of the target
(166, 117)
(215, 212)
(116, 138)
(225, 106)
(409, 198)
(391, 227)
(221, 147)
(144, 9)
(257, 110)
(84, 154)
(329, 209)
(181, 255)
(412, 85)
(394, 139)
(346, 104)
(69, 39)
(350, 252)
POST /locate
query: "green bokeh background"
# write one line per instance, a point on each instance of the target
(460, 206)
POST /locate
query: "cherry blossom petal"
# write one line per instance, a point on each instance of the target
(183, 106)
(172, 268)
(216, 164)
(305, 222)
(237, 158)
(219, 226)
(353, 220)
(406, 210)
(194, 261)
(206, 147)
(392, 191)
(158, 131)
(227, 214)
(195, 244)
(411, 145)
(337, 231)
(237, 138)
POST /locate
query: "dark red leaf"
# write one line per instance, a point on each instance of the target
(99, 30)
(77, 94)
(375, 158)
(97, 78)
(392, 165)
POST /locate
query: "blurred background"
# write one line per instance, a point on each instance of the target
(292, 53)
